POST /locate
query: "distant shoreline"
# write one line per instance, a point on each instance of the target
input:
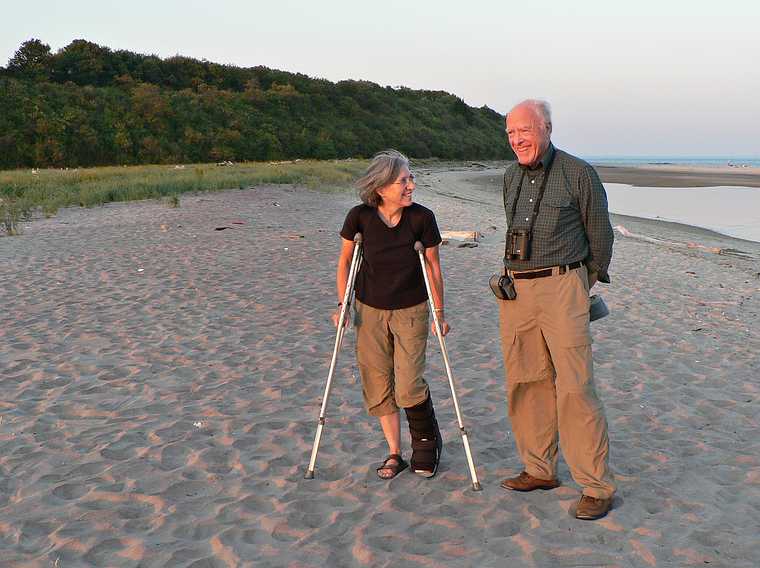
(638, 175)
(673, 175)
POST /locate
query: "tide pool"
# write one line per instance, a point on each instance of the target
(732, 211)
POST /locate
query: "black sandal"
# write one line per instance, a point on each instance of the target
(427, 442)
(395, 468)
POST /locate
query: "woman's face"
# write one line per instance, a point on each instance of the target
(398, 193)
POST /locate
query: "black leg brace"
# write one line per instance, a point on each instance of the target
(426, 438)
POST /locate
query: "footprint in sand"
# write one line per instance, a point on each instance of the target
(69, 491)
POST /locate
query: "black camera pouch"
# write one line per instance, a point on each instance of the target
(503, 287)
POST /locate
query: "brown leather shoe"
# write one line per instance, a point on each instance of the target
(590, 508)
(526, 482)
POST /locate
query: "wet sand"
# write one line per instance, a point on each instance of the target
(162, 379)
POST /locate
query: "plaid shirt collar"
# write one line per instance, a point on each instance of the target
(544, 162)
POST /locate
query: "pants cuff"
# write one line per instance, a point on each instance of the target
(597, 493)
(383, 409)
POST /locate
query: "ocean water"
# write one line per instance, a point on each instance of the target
(736, 161)
(732, 211)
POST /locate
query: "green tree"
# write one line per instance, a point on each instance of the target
(31, 61)
(84, 63)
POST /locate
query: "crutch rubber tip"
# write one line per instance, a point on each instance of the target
(308, 475)
(419, 247)
(476, 486)
(358, 238)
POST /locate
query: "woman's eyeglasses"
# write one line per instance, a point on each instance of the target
(405, 180)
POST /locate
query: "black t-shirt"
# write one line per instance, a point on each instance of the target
(390, 277)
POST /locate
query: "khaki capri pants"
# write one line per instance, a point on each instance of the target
(390, 351)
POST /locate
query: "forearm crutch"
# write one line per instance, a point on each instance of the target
(356, 260)
(420, 248)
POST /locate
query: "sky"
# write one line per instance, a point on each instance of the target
(653, 78)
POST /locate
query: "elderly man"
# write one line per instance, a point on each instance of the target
(559, 242)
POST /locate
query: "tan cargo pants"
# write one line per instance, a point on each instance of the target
(546, 343)
(390, 351)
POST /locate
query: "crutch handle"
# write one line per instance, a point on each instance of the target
(358, 238)
(419, 247)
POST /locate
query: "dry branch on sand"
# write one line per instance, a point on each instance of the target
(675, 244)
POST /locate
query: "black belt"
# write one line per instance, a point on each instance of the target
(547, 271)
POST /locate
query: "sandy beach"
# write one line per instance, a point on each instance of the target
(162, 372)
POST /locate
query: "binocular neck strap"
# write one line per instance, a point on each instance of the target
(537, 203)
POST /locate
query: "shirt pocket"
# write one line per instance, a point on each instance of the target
(556, 210)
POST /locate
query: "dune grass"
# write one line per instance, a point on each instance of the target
(24, 192)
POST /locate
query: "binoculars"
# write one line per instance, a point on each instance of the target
(518, 244)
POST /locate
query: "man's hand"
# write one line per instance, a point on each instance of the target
(592, 278)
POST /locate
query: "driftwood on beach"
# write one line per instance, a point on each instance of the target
(675, 244)
(473, 236)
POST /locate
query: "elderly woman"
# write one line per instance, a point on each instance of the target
(391, 315)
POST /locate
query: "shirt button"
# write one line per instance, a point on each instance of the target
(526, 218)
(532, 181)
(530, 200)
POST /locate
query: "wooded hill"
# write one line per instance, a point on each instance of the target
(88, 105)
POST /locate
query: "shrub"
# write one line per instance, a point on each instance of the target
(12, 213)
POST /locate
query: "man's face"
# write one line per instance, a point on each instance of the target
(528, 135)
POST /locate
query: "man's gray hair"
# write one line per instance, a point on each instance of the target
(382, 170)
(543, 108)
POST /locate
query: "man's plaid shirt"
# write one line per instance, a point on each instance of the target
(572, 223)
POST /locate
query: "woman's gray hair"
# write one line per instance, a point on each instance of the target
(382, 170)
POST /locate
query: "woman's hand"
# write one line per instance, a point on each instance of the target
(445, 327)
(433, 266)
(336, 316)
